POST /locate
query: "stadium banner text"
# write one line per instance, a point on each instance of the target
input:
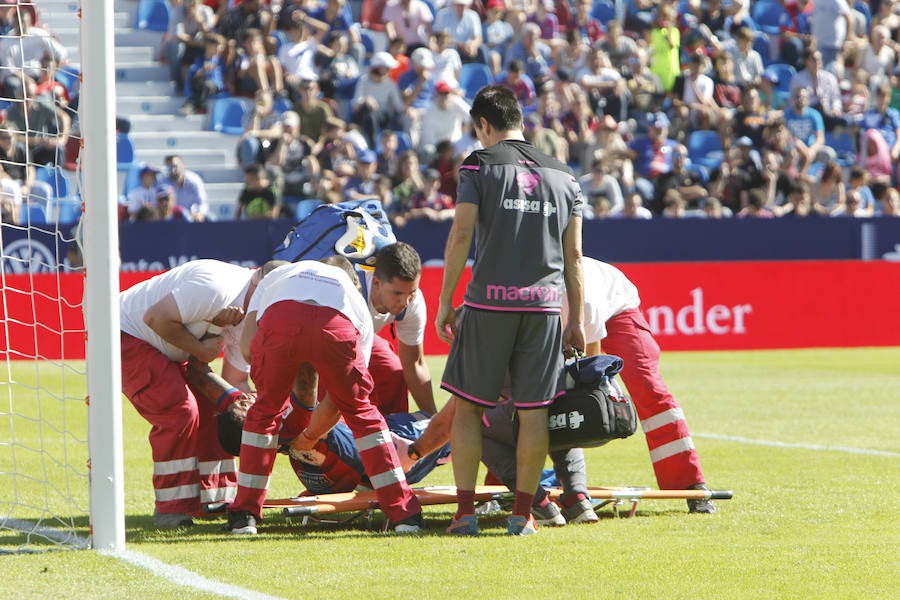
(689, 306)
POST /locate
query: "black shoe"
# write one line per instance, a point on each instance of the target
(241, 522)
(702, 505)
(412, 524)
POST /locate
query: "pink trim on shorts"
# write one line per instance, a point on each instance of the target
(537, 309)
(540, 404)
(465, 396)
(470, 167)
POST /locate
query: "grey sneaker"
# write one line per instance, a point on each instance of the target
(702, 506)
(241, 522)
(548, 515)
(171, 520)
(412, 524)
(581, 512)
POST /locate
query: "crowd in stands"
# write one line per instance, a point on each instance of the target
(662, 108)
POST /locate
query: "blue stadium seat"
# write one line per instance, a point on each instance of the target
(368, 41)
(227, 115)
(705, 148)
(761, 45)
(769, 16)
(844, 146)
(65, 210)
(280, 38)
(785, 73)
(152, 15)
(473, 77)
(404, 142)
(603, 12)
(35, 214)
(69, 75)
(124, 152)
(55, 178)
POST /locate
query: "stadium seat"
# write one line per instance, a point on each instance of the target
(35, 214)
(761, 45)
(473, 77)
(152, 15)
(785, 73)
(227, 115)
(55, 178)
(705, 148)
(769, 16)
(64, 210)
(404, 142)
(69, 76)
(844, 146)
(368, 41)
(699, 171)
(280, 38)
(603, 12)
(863, 7)
(124, 152)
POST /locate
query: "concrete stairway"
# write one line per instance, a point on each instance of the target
(146, 97)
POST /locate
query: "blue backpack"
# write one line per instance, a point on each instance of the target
(355, 229)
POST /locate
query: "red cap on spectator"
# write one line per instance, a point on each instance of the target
(495, 4)
(443, 88)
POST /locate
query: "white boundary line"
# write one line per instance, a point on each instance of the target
(774, 444)
(184, 577)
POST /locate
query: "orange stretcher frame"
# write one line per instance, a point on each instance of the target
(360, 502)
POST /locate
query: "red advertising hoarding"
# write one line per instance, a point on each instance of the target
(691, 306)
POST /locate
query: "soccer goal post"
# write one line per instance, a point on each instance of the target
(61, 455)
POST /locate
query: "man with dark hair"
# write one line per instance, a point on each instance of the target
(309, 316)
(525, 209)
(398, 361)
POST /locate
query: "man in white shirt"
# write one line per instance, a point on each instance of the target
(446, 119)
(310, 315)
(191, 310)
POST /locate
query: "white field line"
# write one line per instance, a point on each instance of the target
(775, 444)
(184, 577)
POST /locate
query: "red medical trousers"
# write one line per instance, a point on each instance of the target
(189, 466)
(290, 334)
(675, 460)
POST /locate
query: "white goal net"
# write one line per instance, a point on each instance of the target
(45, 455)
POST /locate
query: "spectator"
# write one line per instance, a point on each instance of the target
(748, 64)
(362, 184)
(336, 15)
(257, 199)
(388, 159)
(337, 69)
(377, 103)
(497, 33)
(693, 104)
(521, 85)
(254, 69)
(297, 54)
(598, 183)
(890, 203)
(23, 50)
(852, 208)
(741, 172)
(616, 154)
(428, 202)
(447, 62)
(235, 24)
(190, 191)
(880, 55)
(166, 209)
(184, 42)
(293, 162)
(806, 127)
(206, 77)
(756, 206)
(713, 209)
(446, 119)
(618, 47)
(831, 25)
(686, 184)
(535, 54)
(312, 110)
(588, 28)
(10, 199)
(261, 131)
(884, 119)
(417, 86)
(726, 94)
(606, 88)
(46, 125)
(858, 181)
(645, 91)
(875, 156)
(823, 89)
(445, 162)
(664, 39)
(652, 155)
(397, 49)
(750, 118)
(579, 125)
(799, 202)
(632, 208)
(143, 195)
(829, 193)
(407, 178)
(409, 20)
(464, 26)
(544, 138)
(14, 162)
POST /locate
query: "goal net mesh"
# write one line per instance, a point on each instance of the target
(43, 413)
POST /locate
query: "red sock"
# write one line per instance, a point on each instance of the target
(465, 500)
(523, 504)
(570, 501)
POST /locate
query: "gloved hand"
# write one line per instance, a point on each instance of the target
(402, 445)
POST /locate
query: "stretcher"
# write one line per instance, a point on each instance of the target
(365, 503)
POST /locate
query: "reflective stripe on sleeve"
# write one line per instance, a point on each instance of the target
(259, 440)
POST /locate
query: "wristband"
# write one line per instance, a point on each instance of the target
(226, 394)
(413, 452)
(296, 402)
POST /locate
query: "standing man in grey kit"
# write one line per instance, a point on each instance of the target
(524, 209)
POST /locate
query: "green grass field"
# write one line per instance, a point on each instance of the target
(808, 440)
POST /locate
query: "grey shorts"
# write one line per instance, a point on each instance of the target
(489, 344)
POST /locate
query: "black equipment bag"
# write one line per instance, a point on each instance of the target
(594, 410)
